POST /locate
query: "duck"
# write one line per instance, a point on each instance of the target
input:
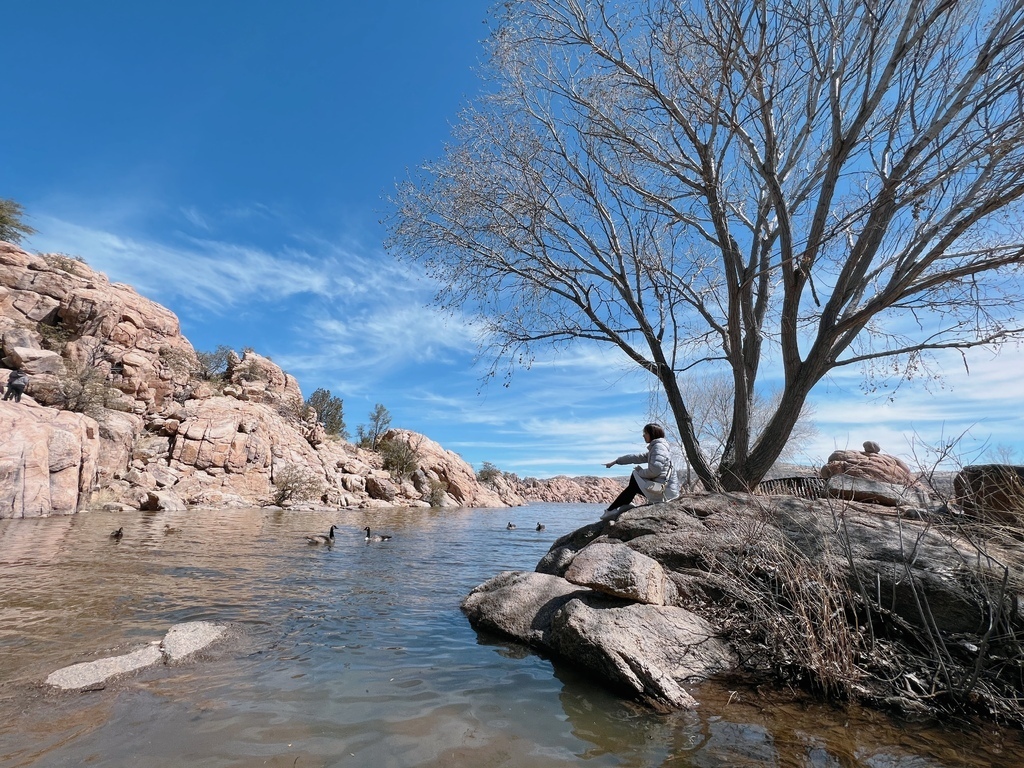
(321, 539)
(117, 534)
(170, 529)
(511, 526)
(381, 537)
(541, 526)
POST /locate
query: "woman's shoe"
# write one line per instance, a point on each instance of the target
(613, 512)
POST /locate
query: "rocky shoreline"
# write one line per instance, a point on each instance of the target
(918, 613)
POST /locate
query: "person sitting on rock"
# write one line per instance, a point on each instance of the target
(657, 481)
(16, 384)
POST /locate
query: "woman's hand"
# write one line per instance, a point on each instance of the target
(610, 464)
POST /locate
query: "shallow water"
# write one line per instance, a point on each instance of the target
(358, 655)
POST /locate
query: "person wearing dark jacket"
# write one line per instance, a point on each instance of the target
(16, 384)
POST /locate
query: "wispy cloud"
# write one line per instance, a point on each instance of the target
(350, 318)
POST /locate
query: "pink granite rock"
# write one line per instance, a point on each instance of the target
(869, 465)
(48, 460)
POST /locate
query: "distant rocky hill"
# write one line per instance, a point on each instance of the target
(117, 414)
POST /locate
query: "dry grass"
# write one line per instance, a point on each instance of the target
(801, 618)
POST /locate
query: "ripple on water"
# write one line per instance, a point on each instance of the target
(358, 654)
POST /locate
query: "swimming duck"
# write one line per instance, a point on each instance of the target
(381, 537)
(321, 539)
(117, 534)
(541, 526)
(511, 526)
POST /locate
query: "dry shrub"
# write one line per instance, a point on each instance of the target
(795, 611)
(294, 482)
(84, 388)
(789, 611)
(437, 493)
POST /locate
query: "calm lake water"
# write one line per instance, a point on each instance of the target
(358, 655)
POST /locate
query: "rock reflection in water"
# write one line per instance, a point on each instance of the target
(359, 655)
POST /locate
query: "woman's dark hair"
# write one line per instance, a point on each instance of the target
(655, 431)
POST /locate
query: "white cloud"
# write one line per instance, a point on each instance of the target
(360, 323)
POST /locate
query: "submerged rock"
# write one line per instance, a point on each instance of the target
(180, 642)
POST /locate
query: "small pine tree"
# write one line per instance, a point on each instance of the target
(12, 228)
(488, 473)
(329, 411)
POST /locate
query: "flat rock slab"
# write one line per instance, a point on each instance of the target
(181, 640)
(94, 673)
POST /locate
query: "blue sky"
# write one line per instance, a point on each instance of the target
(230, 160)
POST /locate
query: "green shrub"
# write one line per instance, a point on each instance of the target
(329, 411)
(400, 458)
(54, 336)
(12, 228)
(63, 261)
(250, 370)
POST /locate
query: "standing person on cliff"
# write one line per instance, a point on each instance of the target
(657, 481)
(16, 384)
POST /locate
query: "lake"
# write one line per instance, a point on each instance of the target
(358, 655)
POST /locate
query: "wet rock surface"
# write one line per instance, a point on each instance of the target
(180, 642)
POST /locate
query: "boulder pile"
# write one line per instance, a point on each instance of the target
(848, 598)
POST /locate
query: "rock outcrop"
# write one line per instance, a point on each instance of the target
(992, 492)
(711, 575)
(48, 459)
(869, 464)
(873, 477)
(569, 490)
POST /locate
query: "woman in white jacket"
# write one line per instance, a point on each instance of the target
(657, 481)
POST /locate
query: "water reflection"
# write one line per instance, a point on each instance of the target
(358, 655)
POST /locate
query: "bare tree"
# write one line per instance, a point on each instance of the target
(709, 185)
(709, 398)
(380, 421)
(1001, 453)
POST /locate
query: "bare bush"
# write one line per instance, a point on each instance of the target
(83, 388)
(437, 493)
(794, 605)
(294, 482)
(179, 361)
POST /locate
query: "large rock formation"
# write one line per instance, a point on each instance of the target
(130, 421)
(792, 584)
(570, 490)
(48, 459)
(874, 477)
